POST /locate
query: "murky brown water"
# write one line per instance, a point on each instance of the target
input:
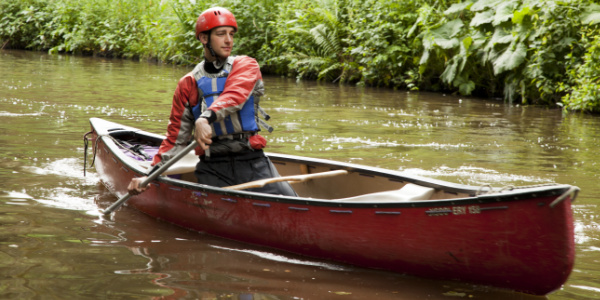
(54, 244)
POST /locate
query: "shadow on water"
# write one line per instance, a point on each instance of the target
(54, 244)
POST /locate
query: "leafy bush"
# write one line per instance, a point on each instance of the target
(585, 94)
(23, 24)
(528, 51)
(523, 48)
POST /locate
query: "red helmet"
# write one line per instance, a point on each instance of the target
(214, 17)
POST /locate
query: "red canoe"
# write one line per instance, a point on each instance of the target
(520, 238)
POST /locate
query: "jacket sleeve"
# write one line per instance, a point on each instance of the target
(243, 80)
(181, 120)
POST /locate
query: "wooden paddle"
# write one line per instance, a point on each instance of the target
(291, 179)
(153, 176)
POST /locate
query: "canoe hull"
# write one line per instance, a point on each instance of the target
(522, 244)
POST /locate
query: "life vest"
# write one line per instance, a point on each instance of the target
(210, 86)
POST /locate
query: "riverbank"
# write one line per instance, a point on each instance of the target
(532, 52)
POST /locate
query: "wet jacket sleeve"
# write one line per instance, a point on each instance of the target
(181, 120)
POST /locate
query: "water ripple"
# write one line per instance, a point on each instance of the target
(476, 175)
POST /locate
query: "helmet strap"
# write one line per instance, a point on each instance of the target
(217, 62)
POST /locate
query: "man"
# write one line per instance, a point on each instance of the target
(218, 102)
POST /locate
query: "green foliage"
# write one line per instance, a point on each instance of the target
(585, 94)
(309, 45)
(523, 48)
(253, 18)
(381, 44)
(23, 23)
(528, 51)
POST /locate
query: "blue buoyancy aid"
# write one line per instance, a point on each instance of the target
(210, 86)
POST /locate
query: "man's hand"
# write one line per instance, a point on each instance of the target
(203, 133)
(134, 187)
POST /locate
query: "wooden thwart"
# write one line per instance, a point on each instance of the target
(290, 179)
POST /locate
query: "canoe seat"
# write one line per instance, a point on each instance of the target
(409, 192)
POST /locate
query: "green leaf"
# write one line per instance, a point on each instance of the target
(519, 15)
(458, 7)
(512, 57)
(450, 72)
(504, 12)
(446, 43)
(479, 39)
(428, 42)
(501, 36)
(591, 14)
(443, 36)
(465, 87)
(424, 57)
(449, 29)
(464, 52)
(483, 4)
(481, 18)
(466, 42)
(414, 27)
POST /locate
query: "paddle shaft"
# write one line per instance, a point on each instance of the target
(291, 179)
(153, 176)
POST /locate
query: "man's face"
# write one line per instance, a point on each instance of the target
(221, 40)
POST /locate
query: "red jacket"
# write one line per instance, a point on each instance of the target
(245, 75)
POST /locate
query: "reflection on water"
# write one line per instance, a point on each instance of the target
(54, 242)
(197, 266)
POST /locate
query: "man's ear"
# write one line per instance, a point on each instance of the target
(203, 37)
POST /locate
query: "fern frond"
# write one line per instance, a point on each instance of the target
(330, 72)
(326, 40)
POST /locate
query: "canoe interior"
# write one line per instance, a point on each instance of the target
(355, 183)
(344, 186)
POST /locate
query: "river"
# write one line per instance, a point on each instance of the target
(54, 243)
